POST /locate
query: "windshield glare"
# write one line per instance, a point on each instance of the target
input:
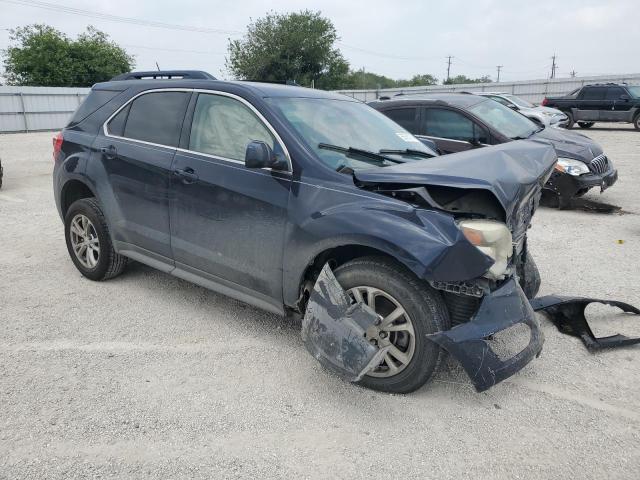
(345, 123)
(519, 101)
(509, 123)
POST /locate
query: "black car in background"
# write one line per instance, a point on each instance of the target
(458, 122)
(257, 191)
(601, 102)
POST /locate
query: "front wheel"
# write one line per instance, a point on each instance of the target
(586, 124)
(89, 243)
(636, 122)
(410, 310)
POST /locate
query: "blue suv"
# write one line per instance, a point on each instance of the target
(254, 189)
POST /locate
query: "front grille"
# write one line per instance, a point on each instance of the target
(600, 164)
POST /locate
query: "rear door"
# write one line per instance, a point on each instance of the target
(135, 152)
(227, 220)
(590, 103)
(451, 130)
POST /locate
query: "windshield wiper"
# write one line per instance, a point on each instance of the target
(350, 151)
(407, 151)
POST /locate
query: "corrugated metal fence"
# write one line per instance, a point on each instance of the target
(532, 90)
(28, 109)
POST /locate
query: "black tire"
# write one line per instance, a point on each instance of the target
(570, 120)
(424, 306)
(586, 124)
(636, 122)
(109, 263)
(1, 173)
(529, 277)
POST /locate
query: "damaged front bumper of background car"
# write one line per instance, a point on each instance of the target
(341, 334)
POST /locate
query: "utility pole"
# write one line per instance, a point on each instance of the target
(448, 67)
(499, 67)
(364, 82)
(573, 74)
(553, 66)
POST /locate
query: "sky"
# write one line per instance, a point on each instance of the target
(398, 38)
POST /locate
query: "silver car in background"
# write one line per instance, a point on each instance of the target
(544, 116)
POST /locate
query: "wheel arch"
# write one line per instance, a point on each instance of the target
(73, 190)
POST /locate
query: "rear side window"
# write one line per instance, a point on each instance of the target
(405, 117)
(594, 93)
(501, 100)
(223, 126)
(153, 117)
(95, 100)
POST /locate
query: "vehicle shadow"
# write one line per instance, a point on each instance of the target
(586, 205)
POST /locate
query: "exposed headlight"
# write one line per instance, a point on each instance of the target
(492, 238)
(571, 166)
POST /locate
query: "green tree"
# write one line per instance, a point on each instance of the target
(418, 81)
(294, 46)
(464, 79)
(40, 55)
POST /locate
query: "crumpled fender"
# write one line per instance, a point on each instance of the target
(567, 313)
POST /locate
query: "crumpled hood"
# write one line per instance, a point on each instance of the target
(514, 172)
(570, 144)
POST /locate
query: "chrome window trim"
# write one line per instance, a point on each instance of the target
(428, 137)
(184, 150)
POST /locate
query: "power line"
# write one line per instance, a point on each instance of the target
(179, 50)
(119, 19)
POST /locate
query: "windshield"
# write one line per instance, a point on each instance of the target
(325, 123)
(519, 101)
(509, 123)
(634, 90)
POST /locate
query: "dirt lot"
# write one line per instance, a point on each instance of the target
(149, 376)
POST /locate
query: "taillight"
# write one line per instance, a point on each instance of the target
(57, 145)
(544, 102)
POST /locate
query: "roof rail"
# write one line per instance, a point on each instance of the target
(165, 74)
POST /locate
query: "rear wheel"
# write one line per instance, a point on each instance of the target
(410, 310)
(570, 120)
(636, 122)
(89, 243)
(586, 124)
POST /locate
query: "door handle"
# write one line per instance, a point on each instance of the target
(187, 175)
(109, 152)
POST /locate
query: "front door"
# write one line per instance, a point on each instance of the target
(134, 160)
(618, 105)
(228, 221)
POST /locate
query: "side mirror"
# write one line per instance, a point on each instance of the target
(260, 155)
(475, 142)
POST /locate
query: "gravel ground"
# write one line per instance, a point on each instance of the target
(148, 376)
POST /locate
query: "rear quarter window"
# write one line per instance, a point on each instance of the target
(95, 100)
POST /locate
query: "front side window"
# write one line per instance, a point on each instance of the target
(520, 102)
(443, 123)
(501, 100)
(153, 117)
(614, 93)
(224, 126)
(405, 117)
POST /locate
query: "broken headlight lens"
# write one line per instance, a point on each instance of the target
(492, 238)
(571, 166)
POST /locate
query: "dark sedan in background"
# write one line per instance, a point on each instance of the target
(458, 122)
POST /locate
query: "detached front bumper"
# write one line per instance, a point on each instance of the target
(505, 309)
(568, 185)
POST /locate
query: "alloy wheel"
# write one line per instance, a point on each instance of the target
(394, 331)
(84, 240)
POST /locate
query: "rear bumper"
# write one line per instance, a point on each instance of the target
(471, 342)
